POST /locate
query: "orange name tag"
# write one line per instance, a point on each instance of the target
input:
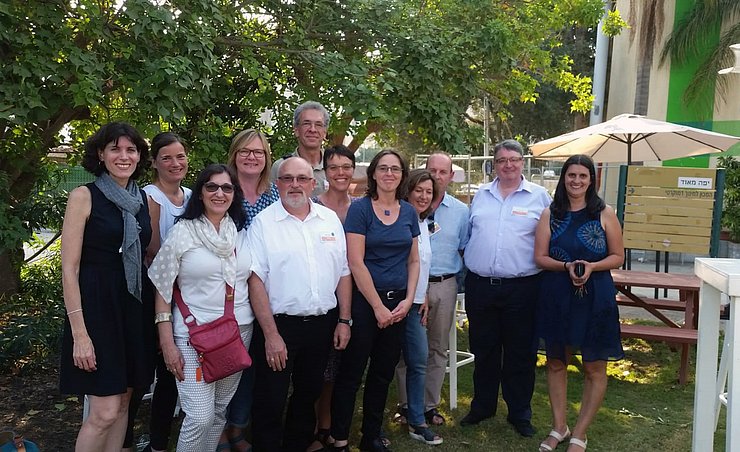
(198, 374)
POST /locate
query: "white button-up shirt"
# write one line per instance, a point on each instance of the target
(502, 230)
(300, 262)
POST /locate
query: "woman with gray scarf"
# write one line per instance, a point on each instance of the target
(108, 342)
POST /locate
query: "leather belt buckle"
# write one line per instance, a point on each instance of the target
(436, 279)
(495, 281)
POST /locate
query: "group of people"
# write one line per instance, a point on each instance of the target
(330, 293)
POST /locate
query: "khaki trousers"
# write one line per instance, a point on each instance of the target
(442, 298)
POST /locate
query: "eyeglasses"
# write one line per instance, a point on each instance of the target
(504, 160)
(315, 124)
(257, 153)
(212, 187)
(346, 167)
(289, 179)
(385, 168)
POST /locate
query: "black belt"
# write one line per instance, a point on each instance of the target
(392, 295)
(302, 318)
(494, 281)
(441, 278)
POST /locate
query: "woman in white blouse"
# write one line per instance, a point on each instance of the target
(411, 370)
(203, 253)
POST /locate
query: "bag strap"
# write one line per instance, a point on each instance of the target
(185, 311)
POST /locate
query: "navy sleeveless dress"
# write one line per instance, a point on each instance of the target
(586, 322)
(121, 328)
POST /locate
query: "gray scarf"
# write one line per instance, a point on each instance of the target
(129, 202)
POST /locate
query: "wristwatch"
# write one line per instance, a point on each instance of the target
(345, 321)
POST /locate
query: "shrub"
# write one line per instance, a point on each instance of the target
(32, 320)
(731, 210)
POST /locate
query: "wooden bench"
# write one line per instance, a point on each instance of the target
(683, 336)
(659, 303)
(661, 333)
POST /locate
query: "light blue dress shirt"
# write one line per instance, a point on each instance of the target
(452, 235)
(502, 230)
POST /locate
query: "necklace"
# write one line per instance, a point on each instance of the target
(387, 213)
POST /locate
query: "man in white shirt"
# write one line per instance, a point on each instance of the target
(310, 123)
(299, 262)
(501, 290)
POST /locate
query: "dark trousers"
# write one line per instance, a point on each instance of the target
(307, 340)
(382, 347)
(163, 404)
(501, 315)
(164, 400)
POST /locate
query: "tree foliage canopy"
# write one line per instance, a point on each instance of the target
(207, 68)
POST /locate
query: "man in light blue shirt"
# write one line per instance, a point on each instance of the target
(448, 228)
(501, 289)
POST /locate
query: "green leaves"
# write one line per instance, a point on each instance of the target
(209, 68)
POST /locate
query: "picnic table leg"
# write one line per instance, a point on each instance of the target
(683, 370)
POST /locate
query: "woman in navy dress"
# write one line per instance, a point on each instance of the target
(577, 312)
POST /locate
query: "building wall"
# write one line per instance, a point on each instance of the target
(668, 81)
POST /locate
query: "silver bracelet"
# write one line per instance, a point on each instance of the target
(162, 317)
(72, 312)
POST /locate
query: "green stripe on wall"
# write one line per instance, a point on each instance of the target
(680, 76)
(699, 115)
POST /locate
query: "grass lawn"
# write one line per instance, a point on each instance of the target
(645, 409)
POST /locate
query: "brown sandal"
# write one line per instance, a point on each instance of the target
(434, 418)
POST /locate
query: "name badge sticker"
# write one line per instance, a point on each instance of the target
(328, 237)
(433, 228)
(519, 211)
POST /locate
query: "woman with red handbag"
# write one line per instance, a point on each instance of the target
(205, 257)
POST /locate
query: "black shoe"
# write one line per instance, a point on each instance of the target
(524, 428)
(473, 419)
(376, 445)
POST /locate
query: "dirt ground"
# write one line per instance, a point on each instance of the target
(31, 406)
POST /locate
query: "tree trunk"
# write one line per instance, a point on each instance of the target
(10, 271)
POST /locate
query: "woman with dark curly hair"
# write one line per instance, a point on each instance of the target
(108, 344)
(578, 241)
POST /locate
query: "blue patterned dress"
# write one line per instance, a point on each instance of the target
(268, 197)
(587, 322)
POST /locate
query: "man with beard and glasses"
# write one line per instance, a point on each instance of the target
(299, 263)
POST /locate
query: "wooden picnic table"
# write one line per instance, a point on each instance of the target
(688, 302)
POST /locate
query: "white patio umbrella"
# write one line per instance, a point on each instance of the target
(736, 68)
(628, 138)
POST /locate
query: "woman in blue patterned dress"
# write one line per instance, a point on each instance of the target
(577, 312)
(249, 156)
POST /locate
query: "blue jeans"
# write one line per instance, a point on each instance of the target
(411, 370)
(237, 414)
